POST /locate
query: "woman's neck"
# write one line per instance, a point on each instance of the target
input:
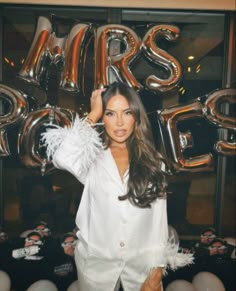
(118, 146)
(121, 157)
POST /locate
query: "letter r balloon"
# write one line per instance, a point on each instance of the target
(119, 63)
(17, 110)
(28, 147)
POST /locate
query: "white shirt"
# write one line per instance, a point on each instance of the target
(132, 230)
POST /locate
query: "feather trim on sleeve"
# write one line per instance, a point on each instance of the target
(77, 145)
(176, 258)
(170, 257)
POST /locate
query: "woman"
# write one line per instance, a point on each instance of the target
(122, 217)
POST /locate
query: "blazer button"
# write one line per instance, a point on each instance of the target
(122, 244)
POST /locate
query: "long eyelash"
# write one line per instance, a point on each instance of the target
(108, 113)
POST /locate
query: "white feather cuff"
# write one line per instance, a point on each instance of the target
(174, 258)
(72, 148)
(169, 257)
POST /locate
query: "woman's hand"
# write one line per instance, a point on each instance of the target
(96, 106)
(153, 281)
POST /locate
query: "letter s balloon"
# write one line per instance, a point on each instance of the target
(162, 58)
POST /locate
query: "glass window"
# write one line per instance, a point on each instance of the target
(200, 49)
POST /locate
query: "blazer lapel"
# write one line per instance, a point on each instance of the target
(109, 165)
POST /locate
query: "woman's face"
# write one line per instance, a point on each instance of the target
(118, 120)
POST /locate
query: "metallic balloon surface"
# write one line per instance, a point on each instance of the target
(226, 148)
(217, 100)
(112, 58)
(17, 106)
(186, 139)
(116, 47)
(161, 57)
(169, 119)
(4, 145)
(29, 150)
(34, 64)
(75, 53)
(218, 112)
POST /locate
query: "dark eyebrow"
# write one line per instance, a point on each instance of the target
(127, 109)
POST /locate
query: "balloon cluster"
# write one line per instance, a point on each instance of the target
(68, 53)
(202, 281)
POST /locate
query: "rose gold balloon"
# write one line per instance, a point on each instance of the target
(55, 48)
(213, 105)
(34, 63)
(29, 150)
(17, 110)
(161, 57)
(115, 61)
(169, 119)
(75, 52)
(226, 148)
(186, 140)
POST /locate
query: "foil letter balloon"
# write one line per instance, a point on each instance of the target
(217, 110)
(17, 106)
(161, 57)
(75, 52)
(116, 47)
(213, 108)
(34, 63)
(29, 149)
(55, 49)
(226, 148)
(176, 142)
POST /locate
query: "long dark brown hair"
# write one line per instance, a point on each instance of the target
(147, 181)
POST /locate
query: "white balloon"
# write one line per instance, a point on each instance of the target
(206, 281)
(42, 285)
(73, 286)
(180, 285)
(173, 234)
(5, 282)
